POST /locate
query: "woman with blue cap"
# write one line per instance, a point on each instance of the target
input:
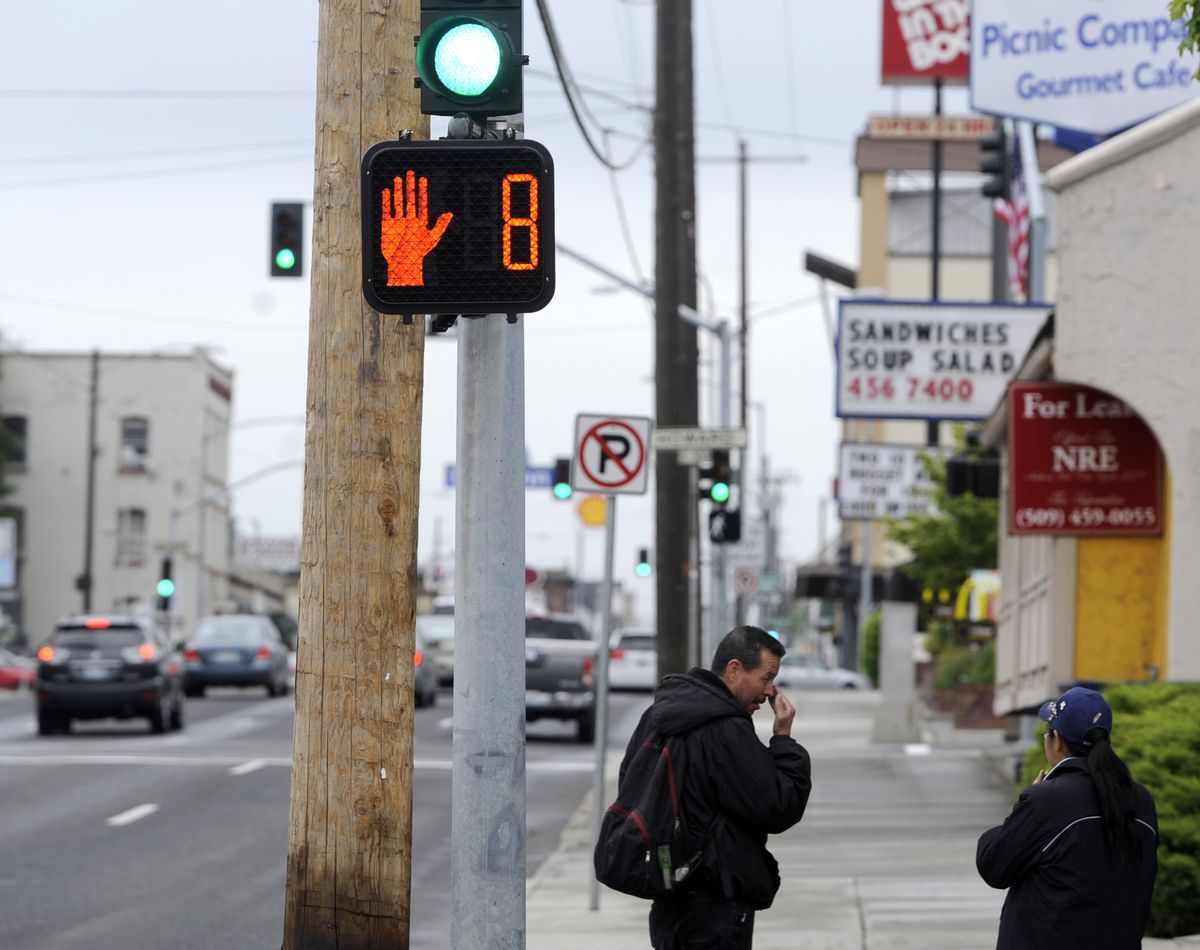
(1078, 851)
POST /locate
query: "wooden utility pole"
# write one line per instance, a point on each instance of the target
(350, 833)
(675, 340)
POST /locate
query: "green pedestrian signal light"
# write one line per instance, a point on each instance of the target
(562, 479)
(469, 57)
(643, 567)
(165, 587)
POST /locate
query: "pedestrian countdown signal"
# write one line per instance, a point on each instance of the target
(454, 227)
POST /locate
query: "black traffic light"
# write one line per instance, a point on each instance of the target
(994, 161)
(716, 479)
(165, 588)
(643, 568)
(287, 239)
(725, 525)
(978, 475)
(562, 479)
(469, 57)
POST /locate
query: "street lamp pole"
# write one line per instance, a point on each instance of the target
(202, 536)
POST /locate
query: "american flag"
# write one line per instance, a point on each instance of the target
(1015, 213)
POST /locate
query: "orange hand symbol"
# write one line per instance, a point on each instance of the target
(406, 237)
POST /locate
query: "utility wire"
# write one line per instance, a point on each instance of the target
(152, 173)
(155, 94)
(566, 83)
(76, 158)
(159, 318)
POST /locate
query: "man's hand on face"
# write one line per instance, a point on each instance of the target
(784, 711)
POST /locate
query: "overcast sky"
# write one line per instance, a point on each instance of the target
(144, 142)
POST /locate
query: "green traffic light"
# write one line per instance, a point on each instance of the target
(165, 587)
(719, 492)
(285, 259)
(467, 59)
(562, 491)
(643, 569)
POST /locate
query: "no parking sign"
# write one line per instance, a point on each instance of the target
(611, 454)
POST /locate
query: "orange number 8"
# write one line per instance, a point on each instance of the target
(510, 222)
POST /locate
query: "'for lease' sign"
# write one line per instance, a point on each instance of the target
(902, 359)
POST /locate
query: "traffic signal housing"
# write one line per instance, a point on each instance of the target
(716, 478)
(469, 57)
(165, 588)
(287, 239)
(725, 525)
(562, 479)
(643, 568)
(994, 161)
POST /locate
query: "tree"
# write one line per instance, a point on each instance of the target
(959, 536)
(1189, 12)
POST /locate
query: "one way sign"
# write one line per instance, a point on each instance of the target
(611, 454)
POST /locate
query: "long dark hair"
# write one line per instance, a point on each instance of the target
(1114, 792)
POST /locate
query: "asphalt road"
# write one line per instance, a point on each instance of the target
(115, 839)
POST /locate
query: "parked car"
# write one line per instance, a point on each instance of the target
(236, 650)
(633, 659)
(425, 681)
(560, 659)
(16, 671)
(100, 667)
(797, 671)
(438, 633)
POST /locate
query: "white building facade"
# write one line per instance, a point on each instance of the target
(158, 425)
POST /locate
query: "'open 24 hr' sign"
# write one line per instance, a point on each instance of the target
(453, 227)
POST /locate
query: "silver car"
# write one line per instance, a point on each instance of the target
(437, 630)
(797, 671)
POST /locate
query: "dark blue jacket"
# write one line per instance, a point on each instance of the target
(1063, 889)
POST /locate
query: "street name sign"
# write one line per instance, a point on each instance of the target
(612, 454)
(674, 439)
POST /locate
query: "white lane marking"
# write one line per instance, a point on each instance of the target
(431, 765)
(446, 723)
(136, 813)
(247, 767)
(918, 748)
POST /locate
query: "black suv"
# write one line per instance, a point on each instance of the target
(100, 667)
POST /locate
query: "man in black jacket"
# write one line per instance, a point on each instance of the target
(736, 791)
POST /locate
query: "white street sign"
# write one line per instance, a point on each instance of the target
(693, 457)
(612, 454)
(919, 359)
(673, 439)
(1095, 67)
(882, 481)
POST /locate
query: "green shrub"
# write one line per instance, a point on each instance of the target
(939, 636)
(869, 655)
(1156, 730)
(961, 663)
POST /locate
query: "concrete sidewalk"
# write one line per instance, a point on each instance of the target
(884, 858)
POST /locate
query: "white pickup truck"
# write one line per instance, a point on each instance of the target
(560, 664)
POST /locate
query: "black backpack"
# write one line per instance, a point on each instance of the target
(644, 848)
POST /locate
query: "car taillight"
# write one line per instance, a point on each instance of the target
(97, 623)
(588, 663)
(616, 654)
(417, 658)
(142, 653)
(47, 654)
(191, 654)
(262, 653)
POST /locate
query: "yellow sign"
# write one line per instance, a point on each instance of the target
(593, 510)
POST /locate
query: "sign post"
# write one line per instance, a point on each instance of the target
(612, 456)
